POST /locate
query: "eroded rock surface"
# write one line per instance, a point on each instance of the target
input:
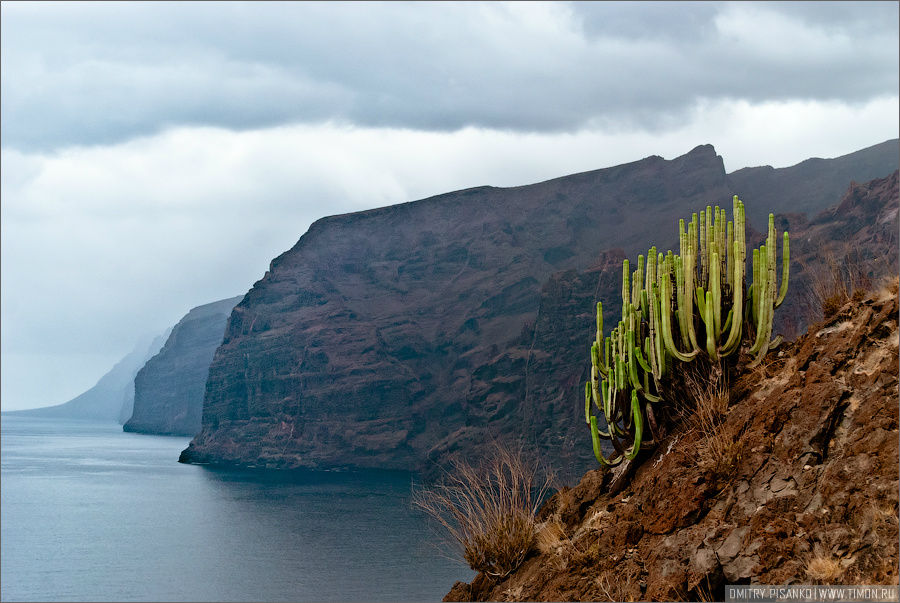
(811, 481)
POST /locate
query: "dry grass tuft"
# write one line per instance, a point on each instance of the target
(704, 411)
(489, 509)
(550, 537)
(614, 590)
(513, 594)
(835, 281)
(824, 570)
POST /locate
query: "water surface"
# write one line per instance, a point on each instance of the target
(91, 513)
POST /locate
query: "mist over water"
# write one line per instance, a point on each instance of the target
(92, 513)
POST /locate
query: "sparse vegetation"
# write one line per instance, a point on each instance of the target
(703, 410)
(489, 509)
(824, 570)
(834, 282)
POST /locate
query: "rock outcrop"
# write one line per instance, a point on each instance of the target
(401, 336)
(168, 390)
(803, 488)
(111, 399)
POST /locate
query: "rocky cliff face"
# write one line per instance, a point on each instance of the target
(112, 397)
(168, 390)
(804, 489)
(399, 336)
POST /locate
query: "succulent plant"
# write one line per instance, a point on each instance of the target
(682, 306)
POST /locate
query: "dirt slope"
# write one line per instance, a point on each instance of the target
(806, 490)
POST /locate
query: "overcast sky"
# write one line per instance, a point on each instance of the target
(157, 156)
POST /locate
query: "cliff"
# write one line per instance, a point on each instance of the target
(112, 396)
(401, 336)
(797, 485)
(168, 390)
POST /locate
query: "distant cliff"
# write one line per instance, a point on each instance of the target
(168, 390)
(113, 395)
(401, 336)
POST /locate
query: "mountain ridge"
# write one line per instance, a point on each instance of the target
(388, 337)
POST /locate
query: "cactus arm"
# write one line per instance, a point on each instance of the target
(645, 302)
(632, 363)
(734, 335)
(759, 304)
(687, 300)
(598, 452)
(651, 351)
(753, 306)
(704, 250)
(604, 391)
(665, 307)
(658, 345)
(710, 327)
(681, 311)
(651, 397)
(637, 284)
(620, 373)
(638, 427)
(768, 306)
(587, 402)
(715, 290)
(651, 269)
(785, 263)
(645, 366)
(730, 257)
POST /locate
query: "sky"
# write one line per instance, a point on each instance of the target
(157, 156)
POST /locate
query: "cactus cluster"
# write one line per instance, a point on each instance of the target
(674, 309)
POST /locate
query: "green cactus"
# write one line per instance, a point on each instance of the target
(674, 309)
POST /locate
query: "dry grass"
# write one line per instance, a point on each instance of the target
(552, 542)
(550, 537)
(704, 410)
(834, 282)
(614, 590)
(704, 593)
(513, 594)
(489, 509)
(824, 570)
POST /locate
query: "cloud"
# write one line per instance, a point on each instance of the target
(157, 156)
(104, 73)
(102, 245)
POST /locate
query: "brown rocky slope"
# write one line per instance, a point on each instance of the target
(805, 490)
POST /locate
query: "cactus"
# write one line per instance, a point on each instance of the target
(678, 307)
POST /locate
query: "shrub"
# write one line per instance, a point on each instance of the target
(489, 509)
(686, 306)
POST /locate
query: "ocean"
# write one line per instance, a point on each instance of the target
(90, 513)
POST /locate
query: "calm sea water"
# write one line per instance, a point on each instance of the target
(94, 514)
